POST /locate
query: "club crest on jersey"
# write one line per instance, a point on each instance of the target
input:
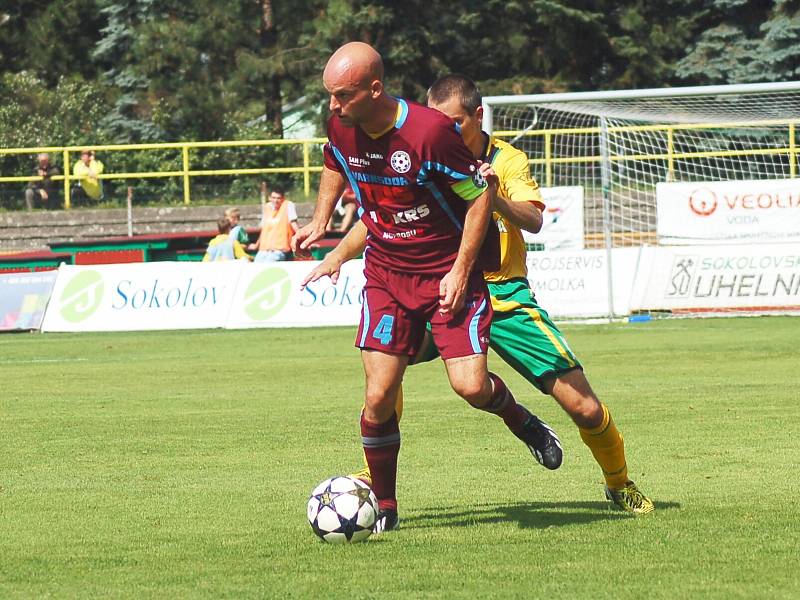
(400, 161)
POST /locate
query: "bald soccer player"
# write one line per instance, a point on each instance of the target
(522, 333)
(426, 209)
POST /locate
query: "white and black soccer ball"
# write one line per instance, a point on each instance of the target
(342, 509)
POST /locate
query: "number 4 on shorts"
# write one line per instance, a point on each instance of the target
(383, 330)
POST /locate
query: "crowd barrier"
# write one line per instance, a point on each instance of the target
(237, 295)
(172, 295)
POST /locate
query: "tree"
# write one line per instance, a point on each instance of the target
(746, 42)
(51, 39)
(197, 70)
(130, 118)
(645, 46)
(33, 114)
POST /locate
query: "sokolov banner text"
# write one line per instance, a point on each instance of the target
(181, 295)
(142, 296)
(757, 277)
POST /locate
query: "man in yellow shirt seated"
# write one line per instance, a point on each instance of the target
(86, 171)
(224, 247)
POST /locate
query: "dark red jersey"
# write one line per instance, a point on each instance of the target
(412, 184)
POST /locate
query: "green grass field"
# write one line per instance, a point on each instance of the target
(178, 464)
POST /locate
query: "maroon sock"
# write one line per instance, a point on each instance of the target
(503, 404)
(381, 447)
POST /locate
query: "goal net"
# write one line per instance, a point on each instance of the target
(641, 158)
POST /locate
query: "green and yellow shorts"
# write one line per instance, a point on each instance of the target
(522, 334)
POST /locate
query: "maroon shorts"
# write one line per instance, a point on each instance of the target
(397, 305)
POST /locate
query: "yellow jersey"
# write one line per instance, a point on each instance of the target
(516, 185)
(88, 177)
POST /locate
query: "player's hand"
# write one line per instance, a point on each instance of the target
(488, 173)
(491, 177)
(330, 266)
(307, 235)
(452, 291)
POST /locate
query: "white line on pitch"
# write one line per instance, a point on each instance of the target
(43, 360)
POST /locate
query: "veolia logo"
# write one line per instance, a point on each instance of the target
(703, 202)
(267, 294)
(82, 296)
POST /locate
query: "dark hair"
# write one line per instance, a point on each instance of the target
(224, 225)
(276, 189)
(458, 86)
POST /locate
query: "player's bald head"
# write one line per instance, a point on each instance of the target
(355, 64)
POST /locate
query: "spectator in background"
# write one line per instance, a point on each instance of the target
(86, 171)
(346, 208)
(278, 225)
(224, 246)
(43, 192)
(237, 231)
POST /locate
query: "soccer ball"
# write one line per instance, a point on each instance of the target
(342, 509)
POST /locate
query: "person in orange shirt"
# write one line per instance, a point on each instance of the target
(278, 225)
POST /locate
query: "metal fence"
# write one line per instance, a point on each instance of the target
(303, 159)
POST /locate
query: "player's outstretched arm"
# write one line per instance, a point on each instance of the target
(349, 247)
(453, 286)
(331, 186)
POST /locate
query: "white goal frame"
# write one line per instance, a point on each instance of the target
(548, 101)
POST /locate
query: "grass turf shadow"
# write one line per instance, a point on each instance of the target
(538, 515)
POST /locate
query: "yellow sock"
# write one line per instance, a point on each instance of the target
(608, 449)
(398, 409)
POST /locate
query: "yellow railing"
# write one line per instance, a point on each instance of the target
(547, 159)
(669, 156)
(186, 172)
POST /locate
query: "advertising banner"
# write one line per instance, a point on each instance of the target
(180, 295)
(728, 212)
(23, 299)
(562, 228)
(140, 296)
(269, 295)
(704, 278)
(575, 284)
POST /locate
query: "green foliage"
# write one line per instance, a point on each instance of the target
(130, 119)
(778, 55)
(645, 45)
(746, 42)
(32, 114)
(195, 71)
(168, 70)
(51, 40)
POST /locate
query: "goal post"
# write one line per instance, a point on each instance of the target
(629, 152)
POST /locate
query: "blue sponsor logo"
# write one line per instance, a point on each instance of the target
(322, 293)
(185, 295)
